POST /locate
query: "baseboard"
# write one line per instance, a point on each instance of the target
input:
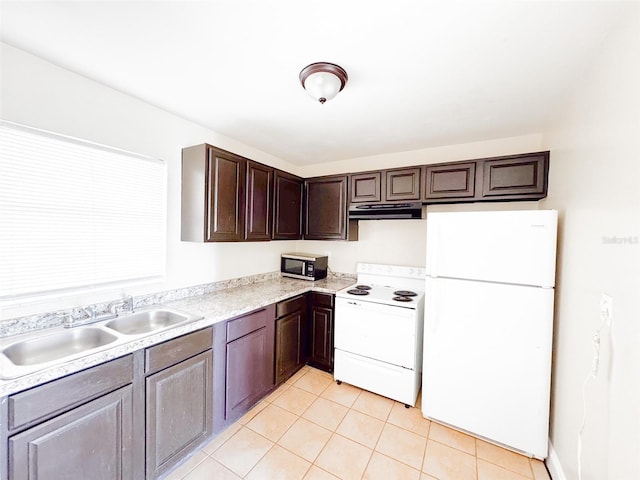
(553, 464)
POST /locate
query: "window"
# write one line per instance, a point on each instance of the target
(76, 215)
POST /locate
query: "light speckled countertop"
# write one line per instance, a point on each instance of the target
(214, 307)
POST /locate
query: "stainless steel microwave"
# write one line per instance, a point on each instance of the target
(305, 266)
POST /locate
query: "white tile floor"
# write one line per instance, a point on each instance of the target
(311, 428)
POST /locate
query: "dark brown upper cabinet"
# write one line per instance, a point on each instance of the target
(287, 206)
(447, 181)
(228, 198)
(509, 178)
(213, 195)
(382, 186)
(259, 201)
(366, 187)
(516, 177)
(326, 209)
(402, 184)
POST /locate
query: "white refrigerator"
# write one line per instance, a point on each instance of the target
(489, 323)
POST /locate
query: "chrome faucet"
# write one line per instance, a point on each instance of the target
(125, 305)
(83, 316)
(88, 314)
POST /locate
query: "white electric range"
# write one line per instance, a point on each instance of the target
(378, 331)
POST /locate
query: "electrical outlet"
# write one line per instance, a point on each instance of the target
(606, 307)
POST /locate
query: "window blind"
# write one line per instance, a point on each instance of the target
(76, 215)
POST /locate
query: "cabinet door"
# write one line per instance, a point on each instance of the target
(179, 411)
(366, 187)
(287, 209)
(289, 345)
(248, 374)
(455, 180)
(225, 195)
(403, 184)
(326, 208)
(517, 177)
(258, 202)
(92, 441)
(321, 338)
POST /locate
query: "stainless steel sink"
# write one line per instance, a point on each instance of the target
(39, 350)
(149, 321)
(56, 346)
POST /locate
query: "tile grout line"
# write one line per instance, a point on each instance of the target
(285, 386)
(426, 445)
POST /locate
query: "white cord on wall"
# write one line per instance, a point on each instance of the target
(605, 316)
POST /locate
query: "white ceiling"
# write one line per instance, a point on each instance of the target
(421, 73)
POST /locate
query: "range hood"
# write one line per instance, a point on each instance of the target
(385, 211)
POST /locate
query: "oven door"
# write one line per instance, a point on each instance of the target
(382, 332)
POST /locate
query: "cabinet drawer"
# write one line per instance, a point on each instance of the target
(45, 401)
(322, 299)
(289, 306)
(174, 351)
(241, 326)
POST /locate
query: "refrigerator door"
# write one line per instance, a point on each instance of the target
(487, 360)
(508, 247)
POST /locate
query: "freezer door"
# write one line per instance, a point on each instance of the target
(487, 361)
(509, 247)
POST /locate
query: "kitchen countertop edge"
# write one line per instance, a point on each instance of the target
(215, 307)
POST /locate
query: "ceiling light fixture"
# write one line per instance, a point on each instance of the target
(323, 80)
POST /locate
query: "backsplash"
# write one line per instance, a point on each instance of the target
(18, 325)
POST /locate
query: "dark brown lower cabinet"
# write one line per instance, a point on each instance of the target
(132, 418)
(246, 370)
(179, 411)
(243, 363)
(289, 346)
(73, 428)
(91, 441)
(321, 321)
(290, 337)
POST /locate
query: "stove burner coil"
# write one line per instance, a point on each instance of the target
(405, 293)
(357, 291)
(402, 298)
(363, 287)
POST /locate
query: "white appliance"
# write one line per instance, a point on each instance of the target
(488, 325)
(378, 331)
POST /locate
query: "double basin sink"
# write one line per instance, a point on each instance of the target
(42, 350)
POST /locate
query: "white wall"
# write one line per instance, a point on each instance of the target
(447, 153)
(42, 95)
(594, 175)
